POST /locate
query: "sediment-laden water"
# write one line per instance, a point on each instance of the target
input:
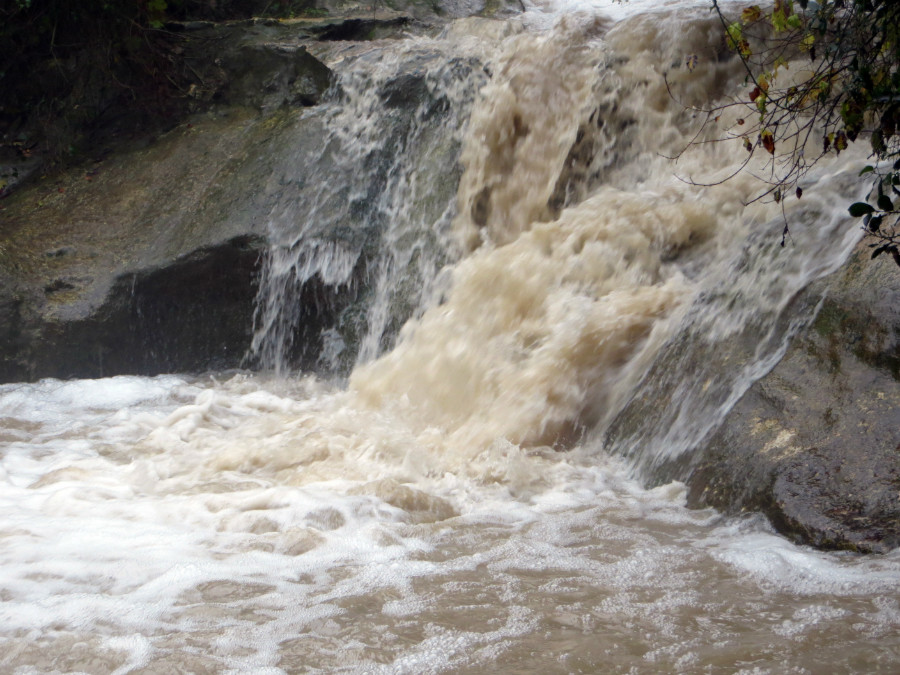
(459, 502)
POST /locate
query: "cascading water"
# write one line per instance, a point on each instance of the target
(580, 317)
(364, 209)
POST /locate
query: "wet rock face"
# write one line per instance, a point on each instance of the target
(270, 76)
(815, 444)
(184, 316)
(13, 338)
(360, 29)
(187, 316)
(194, 314)
(146, 259)
(258, 64)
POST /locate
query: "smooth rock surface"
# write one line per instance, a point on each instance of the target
(815, 444)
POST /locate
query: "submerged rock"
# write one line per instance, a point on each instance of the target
(815, 444)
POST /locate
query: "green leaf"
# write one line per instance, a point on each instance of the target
(840, 141)
(860, 209)
(885, 203)
(735, 32)
(779, 22)
(868, 169)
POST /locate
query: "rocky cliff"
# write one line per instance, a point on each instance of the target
(144, 255)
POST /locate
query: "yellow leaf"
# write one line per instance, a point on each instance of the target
(751, 14)
(840, 141)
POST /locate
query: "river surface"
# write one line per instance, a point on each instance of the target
(159, 525)
(457, 503)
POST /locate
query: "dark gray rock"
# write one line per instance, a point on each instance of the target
(361, 29)
(146, 261)
(261, 65)
(272, 75)
(815, 444)
(191, 315)
(143, 263)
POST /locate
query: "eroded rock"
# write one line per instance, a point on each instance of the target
(815, 444)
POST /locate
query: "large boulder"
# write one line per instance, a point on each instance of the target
(815, 444)
(69, 109)
(194, 313)
(146, 261)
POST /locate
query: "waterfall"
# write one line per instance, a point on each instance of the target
(575, 289)
(604, 301)
(364, 205)
(501, 318)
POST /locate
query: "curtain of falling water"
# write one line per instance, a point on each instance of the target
(588, 257)
(364, 205)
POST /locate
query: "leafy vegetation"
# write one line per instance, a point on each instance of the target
(849, 89)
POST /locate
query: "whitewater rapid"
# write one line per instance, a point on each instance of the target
(135, 541)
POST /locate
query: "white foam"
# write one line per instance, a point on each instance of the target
(53, 399)
(255, 569)
(545, 12)
(774, 563)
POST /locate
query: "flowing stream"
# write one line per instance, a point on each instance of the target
(467, 493)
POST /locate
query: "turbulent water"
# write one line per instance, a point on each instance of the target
(468, 499)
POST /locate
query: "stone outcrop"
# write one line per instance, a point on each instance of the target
(145, 257)
(257, 64)
(815, 444)
(193, 313)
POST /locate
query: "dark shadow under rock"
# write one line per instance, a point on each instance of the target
(192, 315)
(362, 29)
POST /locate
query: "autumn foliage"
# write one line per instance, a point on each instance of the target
(849, 91)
